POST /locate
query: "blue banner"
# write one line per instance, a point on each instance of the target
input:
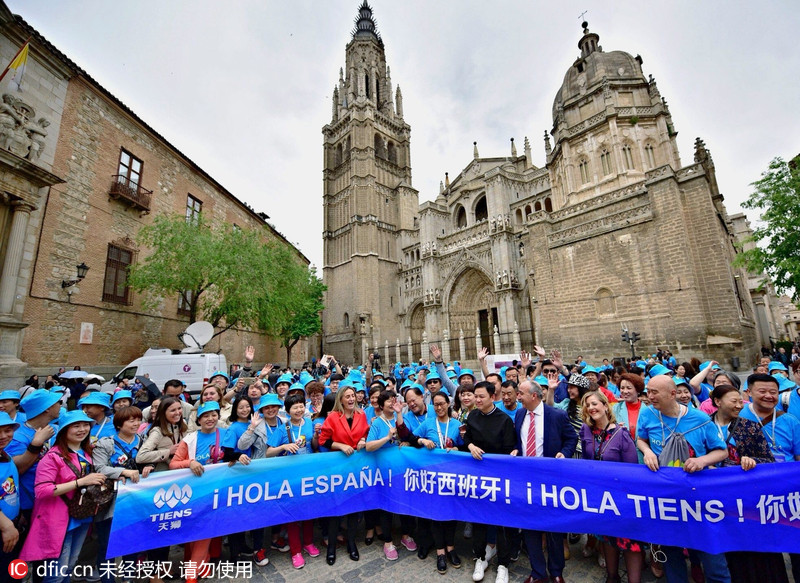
(714, 510)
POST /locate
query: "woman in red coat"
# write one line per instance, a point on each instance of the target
(345, 429)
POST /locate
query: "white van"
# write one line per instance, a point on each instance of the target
(162, 364)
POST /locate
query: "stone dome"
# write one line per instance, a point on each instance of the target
(592, 66)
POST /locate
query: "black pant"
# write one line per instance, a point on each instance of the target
(444, 533)
(479, 544)
(333, 530)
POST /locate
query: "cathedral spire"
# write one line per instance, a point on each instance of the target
(365, 25)
(475, 150)
(588, 43)
(513, 149)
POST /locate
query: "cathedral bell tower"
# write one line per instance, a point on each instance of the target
(368, 201)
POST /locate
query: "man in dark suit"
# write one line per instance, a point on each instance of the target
(543, 431)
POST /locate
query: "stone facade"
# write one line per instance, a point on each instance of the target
(93, 211)
(614, 230)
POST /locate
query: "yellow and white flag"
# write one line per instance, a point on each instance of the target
(18, 64)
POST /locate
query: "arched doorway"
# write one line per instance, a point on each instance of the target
(472, 305)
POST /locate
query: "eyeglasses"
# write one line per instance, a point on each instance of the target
(549, 370)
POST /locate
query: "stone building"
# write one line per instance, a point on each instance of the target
(98, 174)
(613, 229)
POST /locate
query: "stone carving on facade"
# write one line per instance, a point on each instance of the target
(19, 133)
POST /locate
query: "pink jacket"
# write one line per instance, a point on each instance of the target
(50, 515)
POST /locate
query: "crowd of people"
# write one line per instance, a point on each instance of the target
(62, 449)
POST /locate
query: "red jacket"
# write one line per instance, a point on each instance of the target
(337, 428)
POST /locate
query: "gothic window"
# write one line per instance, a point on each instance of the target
(378, 92)
(406, 283)
(605, 302)
(537, 206)
(650, 156)
(346, 320)
(605, 161)
(419, 281)
(548, 205)
(392, 153)
(337, 155)
(481, 210)
(461, 217)
(193, 208)
(115, 285)
(379, 151)
(367, 91)
(519, 216)
(527, 210)
(584, 168)
(627, 157)
(347, 148)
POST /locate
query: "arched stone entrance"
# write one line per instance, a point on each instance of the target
(472, 305)
(417, 321)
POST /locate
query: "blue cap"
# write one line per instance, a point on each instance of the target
(38, 402)
(9, 395)
(542, 380)
(589, 368)
(305, 378)
(444, 391)
(377, 373)
(96, 398)
(359, 387)
(785, 384)
(423, 367)
(284, 378)
(466, 372)
(219, 373)
(407, 383)
(503, 370)
(678, 382)
(122, 395)
(298, 386)
(71, 417)
(269, 400)
(6, 420)
(434, 376)
(658, 369)
(641, 364)
(777, 365)
(207, 407)
(704, 366)
(451, 374)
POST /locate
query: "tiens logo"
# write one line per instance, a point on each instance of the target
(172, 496)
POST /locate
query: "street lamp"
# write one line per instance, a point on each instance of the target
(82, 269)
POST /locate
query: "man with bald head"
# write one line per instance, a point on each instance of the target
(655, 427)
(543, 431)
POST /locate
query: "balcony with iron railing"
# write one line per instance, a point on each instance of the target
(134, 194)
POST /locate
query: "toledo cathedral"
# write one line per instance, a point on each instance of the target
(613, 230)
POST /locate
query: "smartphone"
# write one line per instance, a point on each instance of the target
(247, 381)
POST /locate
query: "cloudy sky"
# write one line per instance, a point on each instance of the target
(243, 87)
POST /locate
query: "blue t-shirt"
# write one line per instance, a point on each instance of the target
(444, 435)
(500, 405)
(85, 468)
(783, 437)
(614, 389)
(19, 443)
(9, 490)
(705, 392)
(301, 435)
(380, 429)
(232, 434)
(205, 441)
(656, 429)
(413, 421)
(103, 429)
(794, 402)
(318, 422)
(370, 413)
(124, 451)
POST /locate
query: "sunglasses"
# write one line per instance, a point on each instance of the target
(549, 370)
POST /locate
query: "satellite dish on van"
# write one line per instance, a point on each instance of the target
(196, 336)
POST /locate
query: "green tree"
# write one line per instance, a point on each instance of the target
(221, 273)
(290, 308)
(774, 247)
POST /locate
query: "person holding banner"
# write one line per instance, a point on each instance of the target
(442, 432)
(604, 440)
(489, 430)
(541, 430)
(64, 471)
(345, 429)
(115, 457)
(196, 450)
(669, 433)
(383, 433)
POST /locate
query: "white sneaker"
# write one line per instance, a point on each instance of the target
(502, 574)
(480, 568)
(491, 551)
